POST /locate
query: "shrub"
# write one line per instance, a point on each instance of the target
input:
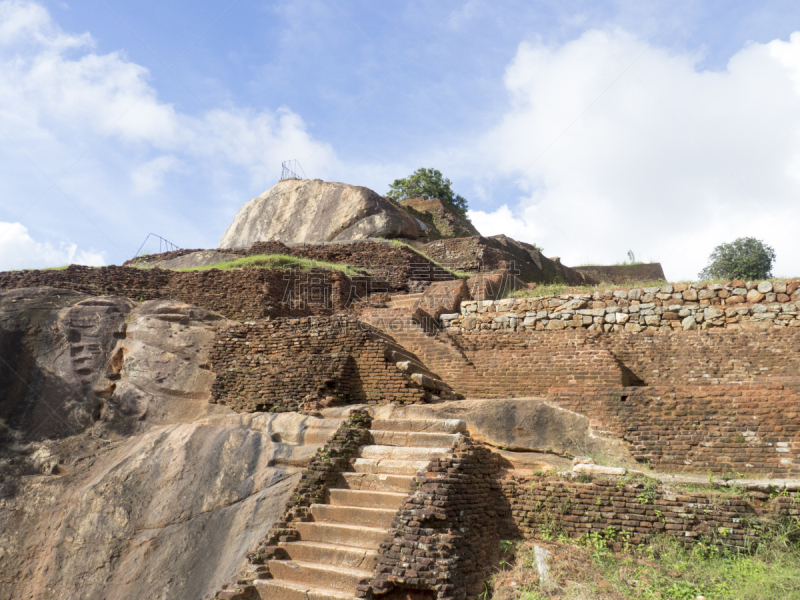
(744, 258)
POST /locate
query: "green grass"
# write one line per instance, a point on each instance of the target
(459, 274)
(274, 261)
(660, 569)
(557, 289)
(772, 572)
(61, 268)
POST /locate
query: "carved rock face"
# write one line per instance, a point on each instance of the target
(118, 479)
(317, 211)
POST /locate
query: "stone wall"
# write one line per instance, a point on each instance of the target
(622, 274)
(523, 362)
(518, 364)
(404, 269)
(236, 294)
(725, 401)
(737, 305)
(446, 537)
(298, 364)
(628, 513)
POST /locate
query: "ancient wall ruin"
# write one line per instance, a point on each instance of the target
(679, 306)
(294, 364)
(622, 513)
(622, 274)
(446, 536)
(394, 268)
(236, 294)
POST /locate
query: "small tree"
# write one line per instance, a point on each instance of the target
(744, 258)
(427, 183)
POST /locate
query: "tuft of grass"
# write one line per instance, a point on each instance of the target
(276, 261)
(61, 268)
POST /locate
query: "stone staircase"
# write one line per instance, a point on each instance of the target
(405, 301)
(339, 548)
(396, 327)
(416, 332)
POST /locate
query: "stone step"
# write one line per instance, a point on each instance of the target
(403, 303)
(416, 296)
(388, 466)
(352, 515)
(331, 554)
(341, 534)
(420, 425)
(378, 482)
(407, 453)
(415, 439)
(284, 590)
(318, 575)
(366, 499)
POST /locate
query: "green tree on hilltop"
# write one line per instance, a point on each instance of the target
(744, 258)
(427, 183)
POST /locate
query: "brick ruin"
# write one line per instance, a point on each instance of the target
(693, 378)
(284, 365)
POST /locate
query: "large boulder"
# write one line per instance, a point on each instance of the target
(297, 210)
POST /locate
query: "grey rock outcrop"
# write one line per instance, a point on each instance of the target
(298, 210)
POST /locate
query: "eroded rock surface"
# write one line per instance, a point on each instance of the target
(169, 513)
(521, 425)
(297, 210)
(118, 479)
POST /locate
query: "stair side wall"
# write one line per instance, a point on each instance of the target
(446, 537)
(305, 364)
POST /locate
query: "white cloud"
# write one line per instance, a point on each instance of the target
(18, 250)
(647, 163)
(148, 177)
(58, 97)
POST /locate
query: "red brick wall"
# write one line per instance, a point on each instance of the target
(507, 365)
(713, 356)
(546, 507)
(282, 364)
(725, 429)
(237, 294)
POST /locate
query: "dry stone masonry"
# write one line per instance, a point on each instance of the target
(680, 306)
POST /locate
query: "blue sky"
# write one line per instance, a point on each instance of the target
(589, 128)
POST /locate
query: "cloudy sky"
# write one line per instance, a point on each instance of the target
(589, 128)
